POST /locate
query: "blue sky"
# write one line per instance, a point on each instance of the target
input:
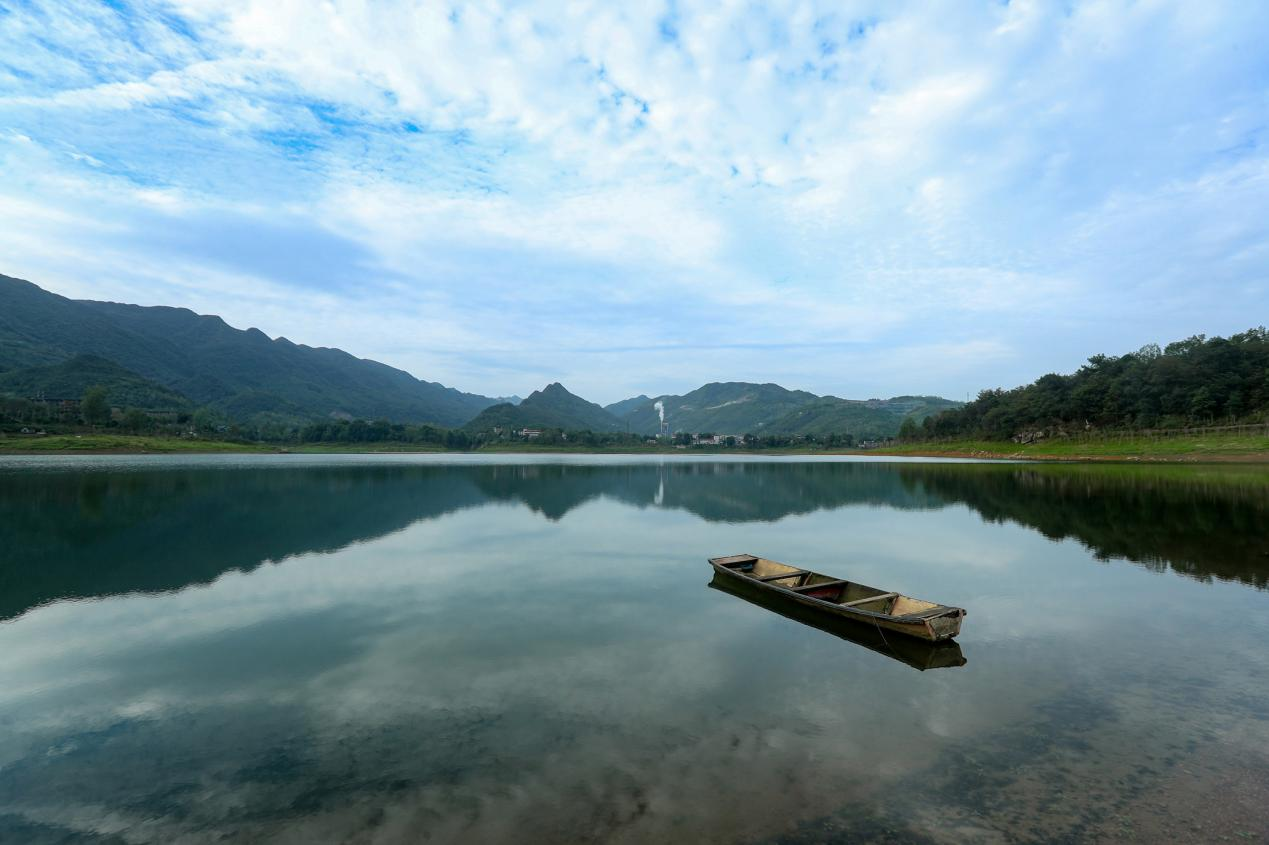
(862, 199)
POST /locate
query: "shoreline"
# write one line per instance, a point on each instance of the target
(1253, 450)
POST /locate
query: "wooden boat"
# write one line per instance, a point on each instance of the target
(885, 610)
(918, 654)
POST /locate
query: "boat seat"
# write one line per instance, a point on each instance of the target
(780, 575)
(878, 597)
(807, 588)
(734, 560)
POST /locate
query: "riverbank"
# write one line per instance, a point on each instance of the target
(124, 444)
(1236, 448)
(1196, 449)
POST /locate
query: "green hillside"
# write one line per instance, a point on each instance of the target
(1197, 381)
(733, 407)
(240, 372)
(69, 380)
(551, 407)
(838, 416)
(868, 419)
(746, 408)
(625, 406)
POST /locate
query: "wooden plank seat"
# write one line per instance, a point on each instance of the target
(779, 575)
(870, 598)
(806, 588)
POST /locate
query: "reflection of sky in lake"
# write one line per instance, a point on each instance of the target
(494, 673)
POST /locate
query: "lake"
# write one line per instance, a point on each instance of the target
(528, 649)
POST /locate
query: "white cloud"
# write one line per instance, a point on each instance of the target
(547, 181)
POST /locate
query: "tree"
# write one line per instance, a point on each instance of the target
(94, 407)
(1198, 378)
(204, 419)
(135, 419)
(908, 429)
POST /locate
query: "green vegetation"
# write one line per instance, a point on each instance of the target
(243, 375)
(625, 406)
(71, 378)
(362, 434)
(874, 419)
(193, 375)
(740, 407)
(1191, 382)
(732, 407)
(1216, 446)
(83, 369)
(94, 407)
(551, 407)
(123, 443)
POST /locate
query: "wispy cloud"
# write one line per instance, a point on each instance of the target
(492, 195)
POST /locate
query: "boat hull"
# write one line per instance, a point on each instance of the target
(943, 625)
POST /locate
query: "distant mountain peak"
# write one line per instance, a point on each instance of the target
(551, 407)
(555, 389)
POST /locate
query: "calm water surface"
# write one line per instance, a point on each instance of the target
(409, 649)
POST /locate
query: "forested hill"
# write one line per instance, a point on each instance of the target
(551, 407)
(738, 407)
(732, 407)
(242, 373)
(162, 358)
(870, 419)
(1197, 381)
(72, 378)
(620, 409)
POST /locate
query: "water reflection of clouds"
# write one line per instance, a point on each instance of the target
(599, 679)
(492, 675)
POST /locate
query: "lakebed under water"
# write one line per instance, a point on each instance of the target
(510, 648)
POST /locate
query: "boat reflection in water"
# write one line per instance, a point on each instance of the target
(919, 654)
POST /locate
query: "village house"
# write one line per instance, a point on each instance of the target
(714, 439)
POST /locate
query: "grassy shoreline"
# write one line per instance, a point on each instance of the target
(1188, 449)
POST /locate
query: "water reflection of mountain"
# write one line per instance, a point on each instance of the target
(717, 492)
(67, 535)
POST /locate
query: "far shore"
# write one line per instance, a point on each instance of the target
(1210, 449)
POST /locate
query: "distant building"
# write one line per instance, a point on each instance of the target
(530, 433)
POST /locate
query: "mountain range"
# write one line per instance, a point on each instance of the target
(162, 358)
(241, 373)
(719, 408)
(746, 408)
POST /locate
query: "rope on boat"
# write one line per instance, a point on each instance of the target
(877, 625)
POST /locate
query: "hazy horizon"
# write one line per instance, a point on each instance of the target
(865, 201)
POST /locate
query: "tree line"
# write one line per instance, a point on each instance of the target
(1196, 381)
(93, 413)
